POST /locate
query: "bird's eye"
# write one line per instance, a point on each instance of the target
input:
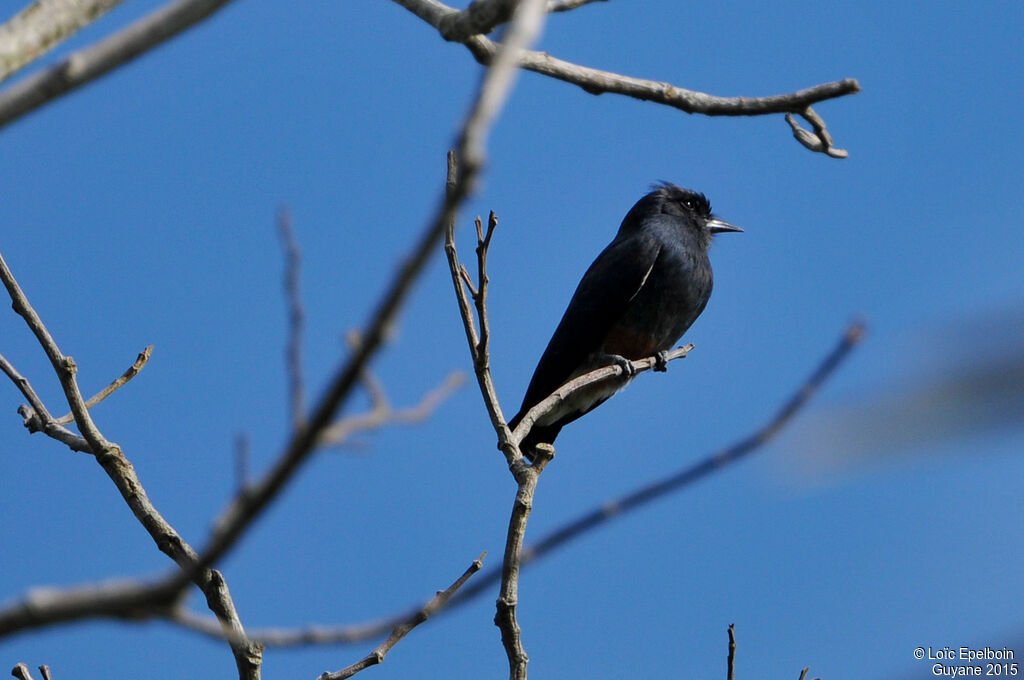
(689, 204)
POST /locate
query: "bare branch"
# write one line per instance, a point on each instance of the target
(596, 81)
(490, 97)
(460, 275)
(324, 634)
(126, 600)
(683, 478)
(505, 616)
(37, 418)
(328, 634)
(120, 470)
(43, 25)
(296, 316)
(478, 341)
(132, 371)
(94, 61)
(402, 629)
(686, 476)
(611, 372)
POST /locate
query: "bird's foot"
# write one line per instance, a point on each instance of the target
(622, 362)
(661, 361)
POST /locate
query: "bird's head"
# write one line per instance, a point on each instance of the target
(693, 207)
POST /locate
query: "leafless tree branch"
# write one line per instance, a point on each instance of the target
(94, 61)
(122, 473)
(596, 81)
(490, 97)
(35, 415)
(602, 374)
(525, 474)
(42, 608)
(588, 521)
(43, 25)
(127, 600)
(38, 419)
(478, 341)
(402, 629)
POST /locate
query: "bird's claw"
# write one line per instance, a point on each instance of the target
(625, 364)
(661, 361)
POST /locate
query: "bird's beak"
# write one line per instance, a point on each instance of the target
(716, 225)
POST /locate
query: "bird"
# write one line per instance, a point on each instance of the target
(637, 299)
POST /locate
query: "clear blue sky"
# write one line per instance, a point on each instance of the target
(140, 210)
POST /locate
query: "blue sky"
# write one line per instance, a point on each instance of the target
(140, 210)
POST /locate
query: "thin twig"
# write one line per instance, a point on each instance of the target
(132, 371)
(402, 629)
(480, 297)
(98, 59)
(478, 341)
(296, 317)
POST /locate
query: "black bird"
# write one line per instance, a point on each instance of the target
(637, 299)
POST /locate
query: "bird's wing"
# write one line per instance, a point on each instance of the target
(615, 277)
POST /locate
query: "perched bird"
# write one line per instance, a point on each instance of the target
(635, 301)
